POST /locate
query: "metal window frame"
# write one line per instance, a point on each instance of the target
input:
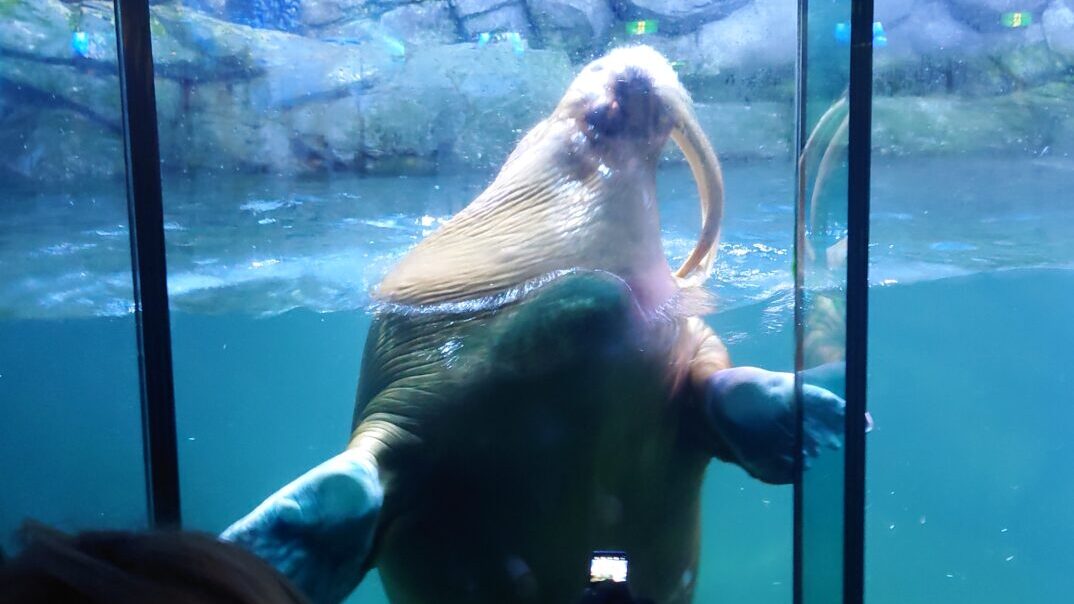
(800, 137)
(859, 165)
(857, 292)
(149, 273)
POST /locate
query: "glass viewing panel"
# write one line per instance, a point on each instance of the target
(307, 145)
(969, 475)
(70, 415)
(822, 278)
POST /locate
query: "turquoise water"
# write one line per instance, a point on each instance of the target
(969, 479)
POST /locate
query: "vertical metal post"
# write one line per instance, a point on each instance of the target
(859, 163)
(146, 217)
(857, 291)
(800, 136)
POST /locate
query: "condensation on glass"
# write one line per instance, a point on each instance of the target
(821, 275)
(70, 427)
(306, 145)
(970, 325)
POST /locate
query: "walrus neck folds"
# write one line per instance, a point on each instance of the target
(548, 210)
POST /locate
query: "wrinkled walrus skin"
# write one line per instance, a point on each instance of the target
(537, 383)
(556, 431)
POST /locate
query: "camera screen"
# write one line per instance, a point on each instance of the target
(608, 566)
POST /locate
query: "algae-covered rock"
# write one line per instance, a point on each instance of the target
(1030, 64)
(761, 34)
(744, 131)
(491, 16)
(930, 50)
(465, 8)
(463, 103)
(220, 131)
(41, 28)
(95, 94)
(1058, 25)
(285, 67)
(1016, 123)
(382, 85)
(63, 115)
(45, 30)
(680, 16)
(581, 27)
(265, 100)
(56, 144)
(426, 23)
(317, 13)
(1064, 137)
(398, 31)
(929, 29)
(217, 8)
(987, 15)
(1053, 106)
(460, 104)
(283, 15)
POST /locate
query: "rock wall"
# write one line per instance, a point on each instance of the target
(398, 86)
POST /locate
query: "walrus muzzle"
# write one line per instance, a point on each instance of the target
(640, 96)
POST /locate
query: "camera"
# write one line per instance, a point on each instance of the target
(608, 580)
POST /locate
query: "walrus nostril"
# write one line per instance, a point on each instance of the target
(631, 106)
(605, 118)
(637, 97)
(632, 88)
(633, 85)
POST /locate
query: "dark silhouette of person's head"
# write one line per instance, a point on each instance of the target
(119, 567)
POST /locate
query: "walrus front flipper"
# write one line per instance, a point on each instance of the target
(318, 530)
(751, 412)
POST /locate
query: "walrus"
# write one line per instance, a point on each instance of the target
(538, 384)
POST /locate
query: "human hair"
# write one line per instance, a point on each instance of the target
(162, 567)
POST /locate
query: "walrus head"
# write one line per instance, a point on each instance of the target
(578, 192)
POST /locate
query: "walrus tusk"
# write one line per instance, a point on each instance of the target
(830, 127)
(705, 167)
